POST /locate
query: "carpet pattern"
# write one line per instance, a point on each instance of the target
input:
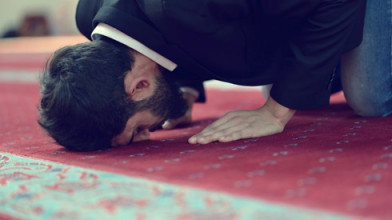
(328, 159)
(38, 189)
(328, 164)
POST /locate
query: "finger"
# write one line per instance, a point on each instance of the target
(169, 124)
(236, 135)
(233, 124)
(223, 120)
(224, 130)
(252, 131)
(226, 123)
(238, 128)
(172, 123)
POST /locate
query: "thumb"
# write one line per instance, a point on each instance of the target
(169, 124)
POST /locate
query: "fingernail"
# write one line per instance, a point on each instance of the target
(192, 140)
(166, 125)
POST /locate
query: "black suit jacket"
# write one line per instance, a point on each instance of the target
(294, 44)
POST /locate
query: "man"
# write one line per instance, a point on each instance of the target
(126, 81)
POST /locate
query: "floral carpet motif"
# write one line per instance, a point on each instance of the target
(39, 189)
(327, 159)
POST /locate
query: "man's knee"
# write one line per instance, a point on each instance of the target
(368, 106)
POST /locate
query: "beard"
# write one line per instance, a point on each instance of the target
(167, 102)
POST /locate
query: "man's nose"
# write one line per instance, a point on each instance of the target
(142, 135)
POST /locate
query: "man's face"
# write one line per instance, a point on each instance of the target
(166, 102)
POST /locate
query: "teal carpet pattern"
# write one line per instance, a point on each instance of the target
(39, 189)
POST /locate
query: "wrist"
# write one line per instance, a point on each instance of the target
(278, 111)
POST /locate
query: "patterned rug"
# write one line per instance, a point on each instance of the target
(328, 164)
(39, 189)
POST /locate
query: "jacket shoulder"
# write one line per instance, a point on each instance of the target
(85, 12)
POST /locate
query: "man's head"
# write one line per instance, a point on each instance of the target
(97, 93)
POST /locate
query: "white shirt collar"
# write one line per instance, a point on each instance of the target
(117, 35)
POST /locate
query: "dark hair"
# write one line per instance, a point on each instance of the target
(84, 104)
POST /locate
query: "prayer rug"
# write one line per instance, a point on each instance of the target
(328, 160)
(328, 164)
(39, 189)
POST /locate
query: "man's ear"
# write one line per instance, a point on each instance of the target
(140, 89)
(139, 82)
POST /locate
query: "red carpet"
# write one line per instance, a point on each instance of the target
(327, 159)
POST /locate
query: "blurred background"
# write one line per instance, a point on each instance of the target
(31, 30)
(37, 18)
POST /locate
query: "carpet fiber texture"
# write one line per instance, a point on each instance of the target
(327, 160)
(328, 164)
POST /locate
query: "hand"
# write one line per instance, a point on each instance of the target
(190, 95)
(184, 120)
(270, 119)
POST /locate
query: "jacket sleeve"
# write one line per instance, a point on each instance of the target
(182, 78)
(85, 12)
(312, 53)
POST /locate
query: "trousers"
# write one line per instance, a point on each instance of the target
(366, 71)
